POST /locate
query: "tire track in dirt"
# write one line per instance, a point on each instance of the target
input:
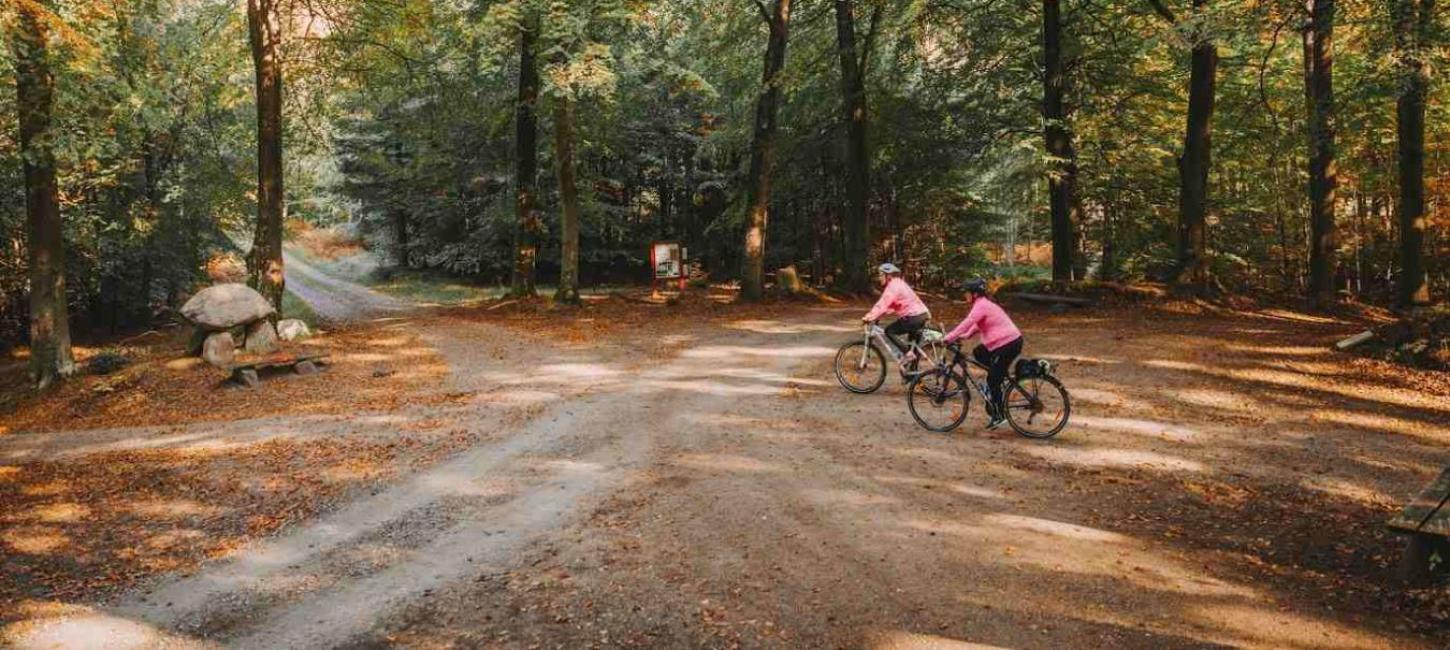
(333, 581)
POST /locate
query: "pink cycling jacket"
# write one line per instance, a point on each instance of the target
(898, 299)
(989, 320)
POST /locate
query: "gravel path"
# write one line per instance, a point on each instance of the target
(336, 300)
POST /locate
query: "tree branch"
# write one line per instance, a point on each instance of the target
(765, 13)
(870, 39)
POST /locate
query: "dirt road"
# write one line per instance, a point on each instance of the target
(336, 300)
(710, 486)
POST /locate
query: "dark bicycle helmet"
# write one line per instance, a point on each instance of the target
(976, 286)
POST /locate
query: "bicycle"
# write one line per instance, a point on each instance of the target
(1037, 404)
(861, 365)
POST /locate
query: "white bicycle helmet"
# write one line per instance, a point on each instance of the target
(888, 269)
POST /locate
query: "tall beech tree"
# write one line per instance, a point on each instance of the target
(264, 264)
(1413, 22)
(527, 224)
(762, 148)
(1319, 69)
(568, 290)
(50, 347)
(1062, 155)
(1195, 162)
(858, 156)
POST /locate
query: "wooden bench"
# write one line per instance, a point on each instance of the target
(244, 371)
(1426, 523)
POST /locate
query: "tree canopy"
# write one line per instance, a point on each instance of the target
(952, 137)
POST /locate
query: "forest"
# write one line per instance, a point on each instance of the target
(1291, 149)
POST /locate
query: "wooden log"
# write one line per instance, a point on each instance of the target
(788, 282)
(1051, 299)
(1356, 340)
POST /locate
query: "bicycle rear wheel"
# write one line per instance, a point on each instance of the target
(860, 368)
(938, 400)
(1037, 407)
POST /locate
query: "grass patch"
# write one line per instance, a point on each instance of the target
(432, 288)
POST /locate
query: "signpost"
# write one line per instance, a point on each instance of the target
(667, 262)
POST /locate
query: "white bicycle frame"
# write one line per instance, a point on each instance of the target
(877, 333)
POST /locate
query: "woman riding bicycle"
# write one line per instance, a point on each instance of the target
(1001, 343)
(898, 298)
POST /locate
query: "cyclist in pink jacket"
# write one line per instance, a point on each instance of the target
(1001, 343)
(898, 299)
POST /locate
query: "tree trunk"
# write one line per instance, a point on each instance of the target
(526, 165)
(858, 161)
(1194, 165)
(1322, 176)
(1412, 28)
(400, 236)
(762, 154)
(50, 349)
(568, 291)
(1062, 164)
(264, 265)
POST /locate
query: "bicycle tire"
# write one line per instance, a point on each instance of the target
(850, 354)
(926, 390)
(1022, 427)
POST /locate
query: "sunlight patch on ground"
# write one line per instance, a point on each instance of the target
(1077, 358)
(9, 473)
(174, 508)
(1098, 396)
(1279, 629)
(1378, 422)
(709, 387)
(1115, 458)
(960, 488)
(779, 327)
(518, 397)
(84, 628)
(726, 463)
(1281, 350)
(1053, 528)
(1165, 430)
(1169, 364)
(735, 351)
(60, 513)
(901, 640)
(35, 540)
(1213, 398)
(1347, 490)
(737, 422)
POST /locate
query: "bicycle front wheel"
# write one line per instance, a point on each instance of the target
(938, 400)
(860, 367)
(1037, 407)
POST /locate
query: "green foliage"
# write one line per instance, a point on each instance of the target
(400, 121)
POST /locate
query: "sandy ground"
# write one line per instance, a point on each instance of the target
(704, 483)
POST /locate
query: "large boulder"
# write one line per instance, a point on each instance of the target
(261, 338)
(219, 349)
(224, 306)
(291, 329)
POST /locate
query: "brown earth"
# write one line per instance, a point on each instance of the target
(690, 475)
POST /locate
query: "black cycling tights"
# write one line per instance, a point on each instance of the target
(997, 362)
(908, 326)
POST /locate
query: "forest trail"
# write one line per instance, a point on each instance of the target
(334, 299)
(558, 440)
(704, 483)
